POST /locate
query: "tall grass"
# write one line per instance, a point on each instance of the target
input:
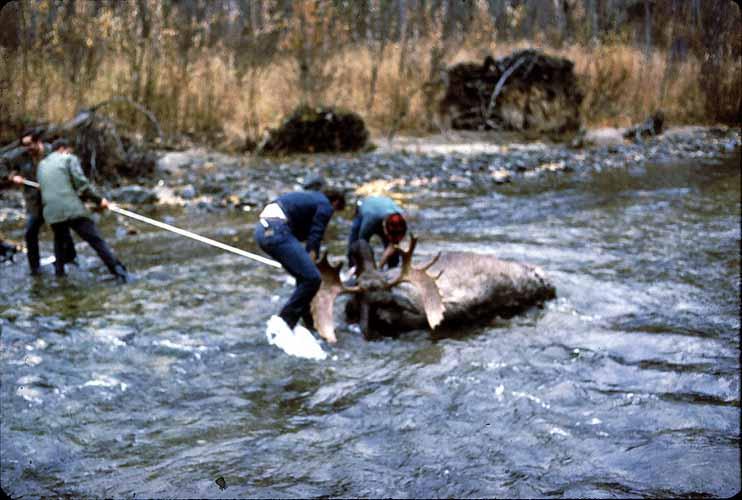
(621, 87)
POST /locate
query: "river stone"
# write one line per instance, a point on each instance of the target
(188, 192)
(136, 195)
(172, 162)
(501, 176)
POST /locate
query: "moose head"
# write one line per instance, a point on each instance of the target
(372, 283)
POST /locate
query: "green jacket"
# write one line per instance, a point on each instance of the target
(64, 187)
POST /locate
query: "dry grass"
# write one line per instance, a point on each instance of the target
(620, 87)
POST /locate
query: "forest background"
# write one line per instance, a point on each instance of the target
(222, 71)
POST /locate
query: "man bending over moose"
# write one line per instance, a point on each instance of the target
(378, 215)
(283, 224)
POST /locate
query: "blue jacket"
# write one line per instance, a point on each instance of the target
(372, 211)
(308, 214)
(369, 221)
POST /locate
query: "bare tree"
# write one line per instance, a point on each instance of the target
(400, 101)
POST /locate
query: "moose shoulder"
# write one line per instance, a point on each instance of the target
(454, 288)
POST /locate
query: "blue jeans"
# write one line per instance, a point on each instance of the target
(277, 241)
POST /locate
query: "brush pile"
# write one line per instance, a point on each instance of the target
(105, 152)
(316, 130)
(527, 91)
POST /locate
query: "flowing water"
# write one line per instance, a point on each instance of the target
(626, 385)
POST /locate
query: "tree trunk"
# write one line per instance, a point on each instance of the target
(560, 21)
(592, 20)
(24, 57)
(141, 52)
(304, 60)
(400, 102)
(382, 32)
(647, 31)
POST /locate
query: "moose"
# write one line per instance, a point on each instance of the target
(452, 288)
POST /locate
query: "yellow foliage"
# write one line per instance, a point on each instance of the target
(382, 187)
(203, 89)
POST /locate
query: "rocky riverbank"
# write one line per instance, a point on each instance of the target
(203, 180)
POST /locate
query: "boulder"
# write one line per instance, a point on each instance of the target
(650, 127)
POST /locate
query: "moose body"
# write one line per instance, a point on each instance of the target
(454, 288)
(473, 287)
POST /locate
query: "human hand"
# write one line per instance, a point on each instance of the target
(313, 255)
(104, 203)
(17, 179)
(389, 251)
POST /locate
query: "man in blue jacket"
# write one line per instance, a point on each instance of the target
(378, 215)
(284, 223)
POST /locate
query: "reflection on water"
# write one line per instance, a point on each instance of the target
(626, 385)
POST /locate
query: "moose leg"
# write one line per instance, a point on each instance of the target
(353, 309)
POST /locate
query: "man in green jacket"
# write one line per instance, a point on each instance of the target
(63, 188)
(25, 166)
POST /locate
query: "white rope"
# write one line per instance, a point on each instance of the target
(194, 236)
(183, 232)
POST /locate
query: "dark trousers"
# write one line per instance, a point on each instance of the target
(85, 229)
(277, 241)
(33, 226)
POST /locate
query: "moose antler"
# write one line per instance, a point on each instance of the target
(425, 284)
(323, 302)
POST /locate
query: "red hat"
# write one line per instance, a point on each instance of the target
(396, 227)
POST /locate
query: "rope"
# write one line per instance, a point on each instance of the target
(182, 232)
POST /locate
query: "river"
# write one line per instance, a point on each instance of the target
(626, 385)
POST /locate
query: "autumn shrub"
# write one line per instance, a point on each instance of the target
(212, 101)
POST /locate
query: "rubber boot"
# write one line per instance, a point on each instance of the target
(121, 274)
